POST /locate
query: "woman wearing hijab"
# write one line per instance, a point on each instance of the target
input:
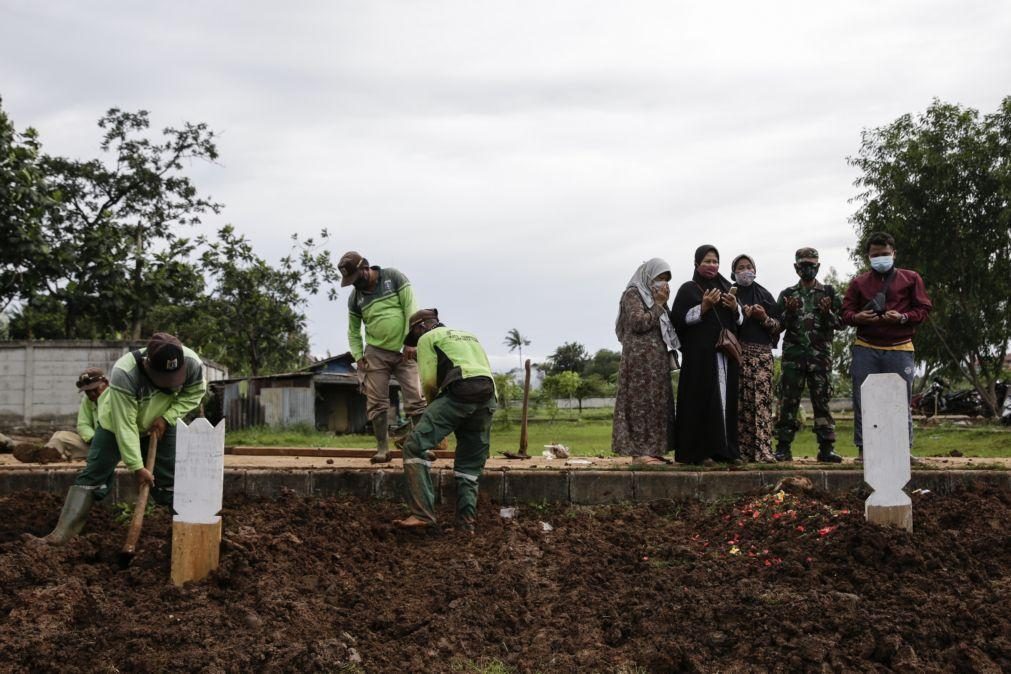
(644, 406)
(707, 387)
(758, 335)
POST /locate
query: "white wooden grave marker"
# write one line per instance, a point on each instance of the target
(200, 474)
(885, 407)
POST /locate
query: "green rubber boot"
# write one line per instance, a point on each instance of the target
(382, 432)
(73, 516)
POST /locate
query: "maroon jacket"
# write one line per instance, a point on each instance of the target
(907, 295)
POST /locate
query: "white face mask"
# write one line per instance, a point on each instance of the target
(745, 278)
(883, 263)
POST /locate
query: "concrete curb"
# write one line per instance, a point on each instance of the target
(579, 487)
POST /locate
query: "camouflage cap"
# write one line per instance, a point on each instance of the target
(806, 253)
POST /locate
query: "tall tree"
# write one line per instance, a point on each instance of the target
(123, 215)
(30, 260)
(254, 320)
(940, 182)
(514, 340)
(569, 357)
(604, 363)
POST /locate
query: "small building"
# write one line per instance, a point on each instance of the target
(38, 379)
(323, 396)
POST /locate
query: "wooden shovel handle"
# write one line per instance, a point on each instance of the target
(137, 521)
(526, 403)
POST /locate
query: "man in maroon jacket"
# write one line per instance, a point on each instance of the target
(885, 304)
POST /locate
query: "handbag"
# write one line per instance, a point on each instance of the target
(727, 343)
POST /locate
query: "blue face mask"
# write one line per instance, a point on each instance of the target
(882, 264)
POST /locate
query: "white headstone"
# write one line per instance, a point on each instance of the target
(200, 471)
(885, 406)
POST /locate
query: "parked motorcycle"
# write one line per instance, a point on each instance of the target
(939, 399)
(1003, 390)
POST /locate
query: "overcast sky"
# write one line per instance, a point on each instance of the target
(517, 160)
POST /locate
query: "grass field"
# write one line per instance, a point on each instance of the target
(590, 435)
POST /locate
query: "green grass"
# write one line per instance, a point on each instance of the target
(591, 436)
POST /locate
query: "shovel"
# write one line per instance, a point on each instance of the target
(129, 550)
(523, 423)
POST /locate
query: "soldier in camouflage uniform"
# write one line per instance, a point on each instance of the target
(810, 312)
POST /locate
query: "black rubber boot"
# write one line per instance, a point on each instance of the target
(382, 432)
(827, 454)
(783, 453)
(73, 516)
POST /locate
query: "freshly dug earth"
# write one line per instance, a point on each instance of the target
(777, 582)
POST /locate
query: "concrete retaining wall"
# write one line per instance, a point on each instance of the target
(583, 487)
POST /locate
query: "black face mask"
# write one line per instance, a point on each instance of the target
(361, 283)
(807, 271)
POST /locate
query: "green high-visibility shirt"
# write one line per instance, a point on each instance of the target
(132, 403)
(446, 355)
(86, 417)
(384, 311)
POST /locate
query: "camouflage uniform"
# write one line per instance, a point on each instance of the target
(807, 358)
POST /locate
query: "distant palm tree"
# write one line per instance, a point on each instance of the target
(514, 340)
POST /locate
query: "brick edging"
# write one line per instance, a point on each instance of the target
(577, 487)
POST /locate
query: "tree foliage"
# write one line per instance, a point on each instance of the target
(569, 357)
(940, 183)
(97, 249)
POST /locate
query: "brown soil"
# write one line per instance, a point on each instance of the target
(789, 582)
(27, 452)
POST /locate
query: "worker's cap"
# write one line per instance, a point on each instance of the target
(91, 378)
(806, 253)
(164, 361)
(419, 316)
(350, 267)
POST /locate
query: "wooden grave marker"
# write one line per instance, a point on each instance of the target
(885, 405)
(200, 474)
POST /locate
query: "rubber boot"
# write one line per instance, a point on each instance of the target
(401, 432)
(826, 454)
(73, 516)
(382, 431)
(783, 453)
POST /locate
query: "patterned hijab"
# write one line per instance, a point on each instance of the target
(641, 280)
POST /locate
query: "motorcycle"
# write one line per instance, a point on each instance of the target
(938, 400)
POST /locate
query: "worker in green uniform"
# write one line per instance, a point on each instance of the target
(382, 300)
(457, 381)
(811, 315)
(149, 391)
(70, 445)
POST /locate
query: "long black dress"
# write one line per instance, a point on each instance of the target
(707, 410)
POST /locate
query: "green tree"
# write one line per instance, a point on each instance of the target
(514, 340)
(940, 182)
(562, 385)
(30, 260)
(590, 386)
(254, 320)
(508, 391)
(842, 340)
(122, 217)
(569, 357)
(604, 363)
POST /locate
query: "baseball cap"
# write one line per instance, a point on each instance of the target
(164, 361)
(419, 316)
(806, 252)
(350, 266)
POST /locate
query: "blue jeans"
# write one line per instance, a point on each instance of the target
(878, 361)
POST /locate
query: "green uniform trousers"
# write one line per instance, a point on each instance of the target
(103, 457)
(471, 423)
(791, 387)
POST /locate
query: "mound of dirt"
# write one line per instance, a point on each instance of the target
(781, 581)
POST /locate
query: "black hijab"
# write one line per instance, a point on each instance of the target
(752, 331)
(718, 281)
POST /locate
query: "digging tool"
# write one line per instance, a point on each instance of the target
(129, 550)
(522, 454)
